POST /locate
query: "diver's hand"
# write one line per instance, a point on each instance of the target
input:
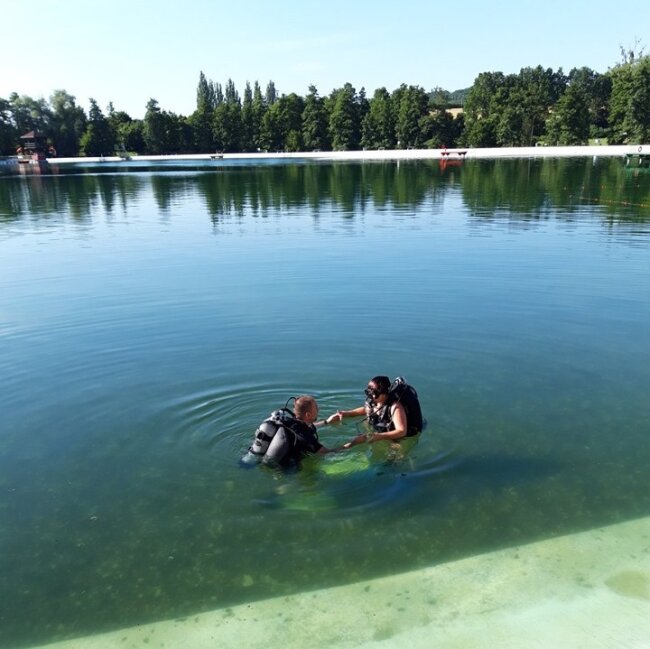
(336, 418)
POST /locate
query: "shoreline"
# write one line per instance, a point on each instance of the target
(582, 590)
(459, 153)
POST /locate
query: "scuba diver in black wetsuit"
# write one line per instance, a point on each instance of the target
(286, 437)
(392, 409)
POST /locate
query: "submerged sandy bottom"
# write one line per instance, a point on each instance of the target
(589, 590)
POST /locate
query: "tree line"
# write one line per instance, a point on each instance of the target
(536, 106)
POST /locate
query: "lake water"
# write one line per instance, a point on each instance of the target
(150, 320)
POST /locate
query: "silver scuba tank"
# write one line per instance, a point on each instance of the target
(264, 436)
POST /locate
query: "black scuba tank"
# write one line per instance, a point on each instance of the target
(406, 394)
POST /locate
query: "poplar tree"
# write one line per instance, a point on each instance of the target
(247, 137)
(227, 121)
(271, 94)
(201, 119)
(258, 110)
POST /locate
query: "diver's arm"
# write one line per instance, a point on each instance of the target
(359, 439)
(340, 415)
(398, 418)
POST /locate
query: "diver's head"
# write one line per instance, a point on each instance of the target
(306, 408)
(377, 389)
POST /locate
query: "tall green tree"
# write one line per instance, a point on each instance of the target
(131, 136)
(527, 106)
(98, 137)
(411, 104)
(363, 106)
(282, 124)
(205, 94)
(440, 129)
(218, 94)
(570, 122)
(29, 114)
(512, 110)
(227, 121)
(154, 129)
(630, 102)
(67, 123)
(344, 119)
(378, 125)
(258, 110)
(201, 119)
(231, 95)
(481, 110)
(247, 128)
(119, 122)
(178, 133)
(270, 137)
(290, 109)
(314, 122)
(8, 132)
(598, 89)
(271, 94)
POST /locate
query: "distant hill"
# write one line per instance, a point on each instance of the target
(458, 97)
(441, 97)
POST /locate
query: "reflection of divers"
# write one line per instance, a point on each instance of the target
(284, 438)
(356, 483)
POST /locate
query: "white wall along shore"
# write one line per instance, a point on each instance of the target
(396, 154)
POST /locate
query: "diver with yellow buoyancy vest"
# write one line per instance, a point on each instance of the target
(283, 439)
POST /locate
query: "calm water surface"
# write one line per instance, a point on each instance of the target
(150, 320)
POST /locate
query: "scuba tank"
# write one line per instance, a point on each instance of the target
(264, 435)
(408, 397)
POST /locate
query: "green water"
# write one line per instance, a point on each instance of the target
(150, 320)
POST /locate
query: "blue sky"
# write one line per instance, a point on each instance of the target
(129, 51)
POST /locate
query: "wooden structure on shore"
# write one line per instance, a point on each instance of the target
(33, 148)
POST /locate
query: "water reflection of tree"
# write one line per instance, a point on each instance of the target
(524, 190)
(77, 196)
(530, 189)
(349, 187)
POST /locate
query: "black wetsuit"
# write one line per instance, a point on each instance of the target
(382, 420)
